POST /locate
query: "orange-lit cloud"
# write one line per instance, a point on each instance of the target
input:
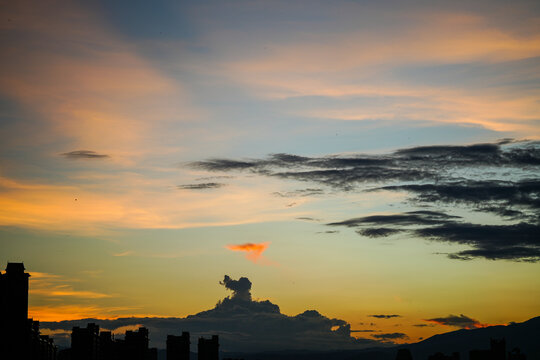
(77, 311)
(51, 285)
(133, 201)
(253, 251)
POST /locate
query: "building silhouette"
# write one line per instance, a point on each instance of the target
(136, 344)
(20, 337)
(208, 349)
(441, 356)
(178, 347)
(106, 345)
(516, 354)
(497, 351)
(85, 342)
(90, 343)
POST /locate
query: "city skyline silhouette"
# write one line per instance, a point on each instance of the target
(21, 338)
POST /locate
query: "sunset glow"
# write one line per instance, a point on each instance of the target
(368, 168)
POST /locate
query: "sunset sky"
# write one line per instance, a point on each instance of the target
(357, 158)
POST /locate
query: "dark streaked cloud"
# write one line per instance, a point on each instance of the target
(500, 179)
(512, 199)
(300, 192)
(384, 316)
(390, 336)
(412, 164)
(243, 325)
(307, 218)
(421, 217)
(378, 232)
(84, 154)
(518, 242)
(461, 321)
(201, 186)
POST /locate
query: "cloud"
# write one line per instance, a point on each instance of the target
(300, 193)
(460, 321)
(390, 336)
(242, 325)
(517, 242)
(498, 178)
(202, 186)
(421, 217)
(413, 164)
(253, 251)
(382, 316)
(514, 199)
(241, 288)
(84, 154)
(56, 286)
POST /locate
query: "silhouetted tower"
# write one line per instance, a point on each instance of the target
(208, 348)
(404, 354)
(498, 349)
(85, 342)
(15, 295)
(105, 345)
(178, 346)
(14, 324)
(136, 344)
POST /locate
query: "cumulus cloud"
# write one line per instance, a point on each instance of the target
(241, 288)
(460, 321)
(254, 251)
(84, 154)
(242, 325)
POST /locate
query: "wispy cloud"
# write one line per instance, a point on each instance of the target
(384, 316)
(201, 186)
(51, 285)
(390, 336)
(460, 321)
(84, 154)
(499, 179)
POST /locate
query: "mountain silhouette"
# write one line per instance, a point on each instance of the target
(525, 336)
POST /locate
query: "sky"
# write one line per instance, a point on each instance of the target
(375, 164)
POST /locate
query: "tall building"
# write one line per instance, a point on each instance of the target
(85, 342)
(208, 348)
(178, 347)
(497, 351)
(19, 336)
(14, 284)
